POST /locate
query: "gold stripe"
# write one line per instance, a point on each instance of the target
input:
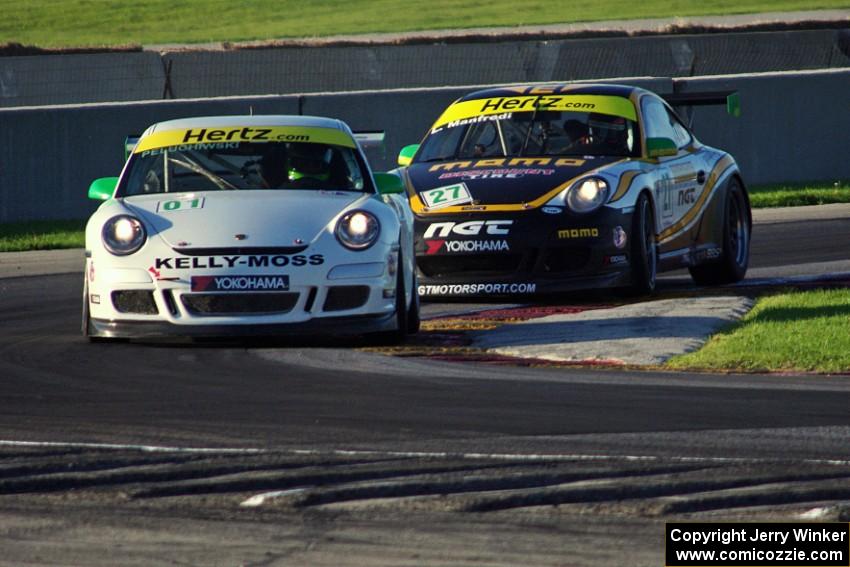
(625, 183)
(720, 167)
(419, 208)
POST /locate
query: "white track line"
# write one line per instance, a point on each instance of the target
(418, 454)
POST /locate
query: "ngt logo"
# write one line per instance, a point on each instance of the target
(469, 228)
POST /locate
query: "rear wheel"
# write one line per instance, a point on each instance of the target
(644, 251)
(735, 253)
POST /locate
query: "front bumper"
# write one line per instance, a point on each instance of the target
(522, 253)
(125, 301)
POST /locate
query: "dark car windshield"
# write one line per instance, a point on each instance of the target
(542, 133)
(244, 165)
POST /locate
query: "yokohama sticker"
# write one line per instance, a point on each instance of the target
(451, 246)
(477, 289)
(240, 283)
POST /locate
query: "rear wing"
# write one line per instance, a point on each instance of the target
(708, 98)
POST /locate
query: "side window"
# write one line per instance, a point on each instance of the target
(656, 120)
(682, 136)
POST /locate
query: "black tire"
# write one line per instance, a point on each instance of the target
(644, 251)
(734, 258)
(413, 319)
(398, 335)
(86, 327)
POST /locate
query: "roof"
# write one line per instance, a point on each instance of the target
(554, 89)
(249, 121)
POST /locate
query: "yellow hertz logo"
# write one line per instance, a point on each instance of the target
(191, 136)
(578, 233)
(603, 104)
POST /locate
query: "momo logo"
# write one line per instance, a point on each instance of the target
(453, 246)
(469, 228)
(578, 233)
(687, 196)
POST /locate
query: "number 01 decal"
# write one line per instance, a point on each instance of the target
(180, 205)
(446, 196)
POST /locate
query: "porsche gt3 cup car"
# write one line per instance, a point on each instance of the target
(529, 189)
(248, 225)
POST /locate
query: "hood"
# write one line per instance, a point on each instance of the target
(266, 218)
(504, 181)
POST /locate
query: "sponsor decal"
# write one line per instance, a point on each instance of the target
(468, 228)
(708, 254)
(687, 196)
(180, 205)
(552, 210)
(528, 162)
(578, 233)
(620, 237)
(447, 196)
(194, 147)
(509, 173)
(477, 288)
(242, 134)
(452, 246)
(240, 283)
(482, 118)
(469, 109)
(250, 261)
(616, 259)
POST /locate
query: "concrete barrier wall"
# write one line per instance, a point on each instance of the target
(793, 128)
(69, 79)
(63, 79)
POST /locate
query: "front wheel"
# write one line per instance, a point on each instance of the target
(735, 253)
(406, 318)
(644, 250)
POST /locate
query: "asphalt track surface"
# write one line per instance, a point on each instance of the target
(272, 454)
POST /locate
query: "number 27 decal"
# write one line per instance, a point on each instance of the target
(447, 196)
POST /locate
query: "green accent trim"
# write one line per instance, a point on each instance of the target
(660, 147)
(405, 156)
(102, 189)
(733, 105)
(293, 175)
(388, 184)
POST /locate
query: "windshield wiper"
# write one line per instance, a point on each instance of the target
(220, 182)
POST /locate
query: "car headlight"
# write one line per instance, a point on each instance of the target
(123, 235)
(358, 230)
(587, 195)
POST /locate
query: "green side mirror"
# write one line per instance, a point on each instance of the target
(660, 147)
(389, 184)
(405, 156)
(103, 188)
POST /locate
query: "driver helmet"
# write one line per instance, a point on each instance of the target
(608, 129)
(309, 160)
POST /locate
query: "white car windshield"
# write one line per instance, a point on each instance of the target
(244, 166)
(543, 133)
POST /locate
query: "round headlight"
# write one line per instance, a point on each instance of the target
(587, 195)
(123, 235)
(358, 230)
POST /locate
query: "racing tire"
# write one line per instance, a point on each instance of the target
(735, 255)
(402, 312)
(86, 327)
(644, 250)
(414, 321)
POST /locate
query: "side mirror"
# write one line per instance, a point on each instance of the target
(388, 184)
(660, 147)
(103, 188)
(405, 156)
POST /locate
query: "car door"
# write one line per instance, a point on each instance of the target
(678, 179)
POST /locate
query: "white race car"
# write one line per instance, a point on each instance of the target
(246, 225)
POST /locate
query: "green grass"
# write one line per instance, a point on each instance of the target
(62, 23)
(798, 331)
(795, 195)
(41, 235)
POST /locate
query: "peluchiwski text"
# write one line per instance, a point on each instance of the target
(757, 544)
